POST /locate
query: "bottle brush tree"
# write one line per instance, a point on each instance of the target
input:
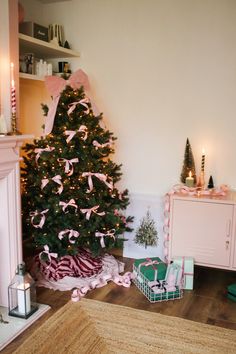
(188, 164)
(146, 233)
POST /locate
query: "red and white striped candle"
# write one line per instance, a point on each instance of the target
(13, 91)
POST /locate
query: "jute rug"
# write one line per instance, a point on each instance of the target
(93, 327)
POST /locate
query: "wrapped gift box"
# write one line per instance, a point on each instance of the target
(232, 292)
(152, 268)
(187, 264)
(142, 284)
(167, 295)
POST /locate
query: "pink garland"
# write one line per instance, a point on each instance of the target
(184, 190)
(121, 280)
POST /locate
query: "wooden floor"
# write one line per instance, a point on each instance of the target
(207, 303)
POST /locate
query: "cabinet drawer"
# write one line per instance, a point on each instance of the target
(202, 230)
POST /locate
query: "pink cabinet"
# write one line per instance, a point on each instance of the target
(203, 228)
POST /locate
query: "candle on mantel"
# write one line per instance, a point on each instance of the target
(13, 91)
(189, 181)
(203, 160)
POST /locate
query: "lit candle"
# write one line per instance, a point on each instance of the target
(189, 180)
(203, 160)
(13, 91)
(23, 298)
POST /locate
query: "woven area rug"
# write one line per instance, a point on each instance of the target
(92, 326)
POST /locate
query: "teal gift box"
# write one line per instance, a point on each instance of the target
(231, 292)
(187, 264)
(151, 268)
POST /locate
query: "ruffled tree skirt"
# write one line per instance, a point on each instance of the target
(80, 273)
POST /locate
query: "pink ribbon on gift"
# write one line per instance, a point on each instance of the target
(56, 85)
(109, 233)
(150, 262)
(39, 151)
(92, 210)
(84, 102)
(49, 255)
(69, 169)
(70, 203)
(100, 176)
(71, 133)
(33, 214)
(71, 233)
(56, 179)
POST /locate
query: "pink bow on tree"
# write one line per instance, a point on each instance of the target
(55, 85)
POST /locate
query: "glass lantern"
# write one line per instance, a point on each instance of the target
(22, 294)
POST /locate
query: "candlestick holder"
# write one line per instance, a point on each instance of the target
(14, 130)
(201, 181)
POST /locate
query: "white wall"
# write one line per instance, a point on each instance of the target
(161, 71)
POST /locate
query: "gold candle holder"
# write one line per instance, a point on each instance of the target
(201, 181)
(14, 130)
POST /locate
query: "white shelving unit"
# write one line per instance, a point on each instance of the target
(42, 50)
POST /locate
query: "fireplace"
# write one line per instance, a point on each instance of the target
(10, 211)
(10, 235)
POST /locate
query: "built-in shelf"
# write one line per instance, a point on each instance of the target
(31, 77)
(42, 49)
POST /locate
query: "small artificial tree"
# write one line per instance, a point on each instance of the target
(146, 233)
(189, 164)
(70, 200)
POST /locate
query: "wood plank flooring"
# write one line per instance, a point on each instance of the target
(207, 303)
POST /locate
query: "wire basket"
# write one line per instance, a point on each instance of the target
(142, 284)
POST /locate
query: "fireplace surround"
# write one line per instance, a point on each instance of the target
(10, 211)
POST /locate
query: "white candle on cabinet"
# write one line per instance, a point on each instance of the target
(189, 180)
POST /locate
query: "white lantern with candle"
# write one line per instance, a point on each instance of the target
(22, 294)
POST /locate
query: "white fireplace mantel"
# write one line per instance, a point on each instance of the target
(10, 211)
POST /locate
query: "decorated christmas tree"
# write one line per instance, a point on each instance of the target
(70, 200)
(189, 164)
(146, 233)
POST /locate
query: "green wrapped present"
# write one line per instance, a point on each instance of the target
(232, 292)
(151, 268)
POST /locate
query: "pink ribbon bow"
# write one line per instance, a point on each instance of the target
(71, 133)
(70, 203)
(72, 233)
(56, 179)
(49, 255)
(33, 214)
(39, 152)
(69, 169)
(92, 210)
(110, 233)
(100, 176)
(98, 145)
(56, 85)
(84, 102)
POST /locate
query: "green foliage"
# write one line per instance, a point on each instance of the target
(146, 233)
(44, 165)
